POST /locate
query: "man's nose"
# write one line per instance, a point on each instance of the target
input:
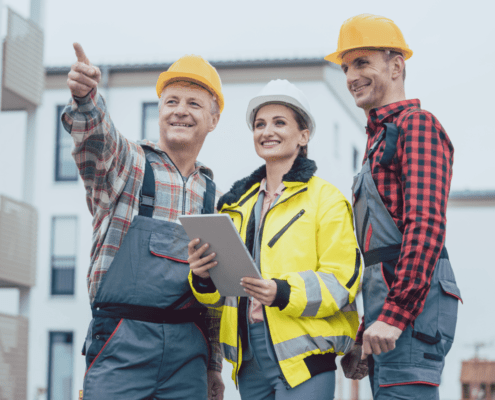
(181, 109)
(351, 76)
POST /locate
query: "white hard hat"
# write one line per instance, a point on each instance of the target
(281, 91)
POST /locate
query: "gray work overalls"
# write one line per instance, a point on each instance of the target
(147, 336)
(419, 356)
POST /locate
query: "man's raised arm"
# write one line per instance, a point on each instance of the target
(103, 156)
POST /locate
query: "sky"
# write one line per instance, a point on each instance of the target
(450, 71)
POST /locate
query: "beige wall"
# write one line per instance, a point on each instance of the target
(13, 357)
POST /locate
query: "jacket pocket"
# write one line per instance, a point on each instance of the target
(273, 240)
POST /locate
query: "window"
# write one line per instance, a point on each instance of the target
(465, 391)
(65, 166)
(355, 159)
(492, 390)
(63, 255)
(60, 359)
(150, 122)
(482, 392)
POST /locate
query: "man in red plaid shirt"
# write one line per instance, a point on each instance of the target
(400, 200)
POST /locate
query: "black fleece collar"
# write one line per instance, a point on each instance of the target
(301, 171)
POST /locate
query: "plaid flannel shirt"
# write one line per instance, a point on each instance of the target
(414, 189)
(112, 169)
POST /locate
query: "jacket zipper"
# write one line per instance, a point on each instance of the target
(264, 312)
(284, 229)
(184, 194)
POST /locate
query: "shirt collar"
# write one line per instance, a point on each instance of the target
(378, 115)
(197, 165)
(278, 191)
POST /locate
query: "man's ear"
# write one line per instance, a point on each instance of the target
(214, 121)
(398, 65)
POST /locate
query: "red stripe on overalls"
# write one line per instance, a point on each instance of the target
(170, 258)
(105, 345)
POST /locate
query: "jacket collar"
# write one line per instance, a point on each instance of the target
(301, 171)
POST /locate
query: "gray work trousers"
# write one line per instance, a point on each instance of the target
(145, 360)
(259, 377)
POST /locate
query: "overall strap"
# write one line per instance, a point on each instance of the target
(373, 148)
(209, 197)
(147, 194)
(391, 136)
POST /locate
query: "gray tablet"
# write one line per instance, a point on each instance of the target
(234, 260)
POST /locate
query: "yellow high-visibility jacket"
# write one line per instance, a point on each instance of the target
(308, 246)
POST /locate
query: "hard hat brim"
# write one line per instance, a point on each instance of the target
(167, 76)
(336, 57)
(257, 102)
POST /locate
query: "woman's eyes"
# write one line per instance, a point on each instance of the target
(279, 122)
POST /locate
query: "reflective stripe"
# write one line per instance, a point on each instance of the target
(231, 301)
(349, 307)
(338, 292)
(302, 344)
(219, 303)
(313, 293)
(229, 352)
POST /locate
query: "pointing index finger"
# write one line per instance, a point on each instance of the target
(81, 56)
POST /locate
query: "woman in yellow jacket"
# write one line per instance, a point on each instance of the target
(283, 339)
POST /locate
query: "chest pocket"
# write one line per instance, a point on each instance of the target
(279, 234)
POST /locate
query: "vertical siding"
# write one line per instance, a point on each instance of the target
(13, 357)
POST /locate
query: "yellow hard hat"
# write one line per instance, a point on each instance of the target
(195, 69)
(369, 31)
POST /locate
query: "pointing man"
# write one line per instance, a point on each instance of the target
(147, 338)
(400, 199)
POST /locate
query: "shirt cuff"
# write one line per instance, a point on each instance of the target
(396, 316)
(283, 294)
(203, 285)
(216, 359)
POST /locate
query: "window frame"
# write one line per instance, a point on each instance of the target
(51, 336)
(58, 137)
(52, 256)
(143, 119)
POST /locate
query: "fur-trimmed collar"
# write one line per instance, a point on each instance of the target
(301, 171)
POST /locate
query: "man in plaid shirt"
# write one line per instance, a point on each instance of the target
(400, 200)
(147, 335)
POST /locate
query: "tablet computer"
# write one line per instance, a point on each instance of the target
(234, 260)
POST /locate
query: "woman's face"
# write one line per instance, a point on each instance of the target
(276, 134)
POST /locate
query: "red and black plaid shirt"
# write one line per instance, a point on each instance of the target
(414, 189)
